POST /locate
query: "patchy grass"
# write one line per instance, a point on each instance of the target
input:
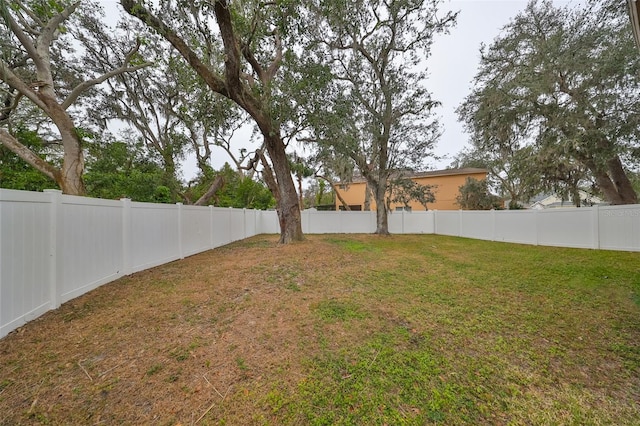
(341, 330)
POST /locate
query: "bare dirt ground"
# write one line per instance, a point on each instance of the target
(192, 340)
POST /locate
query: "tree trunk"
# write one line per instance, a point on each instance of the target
(382, 225)
(287, 201)
(232, 86)
(336, 192)
(73, 161)
(29, 156)
(614, 183)
(217, 184)
(300, 198)
(69, 176)
(621, 182)
(367, 197)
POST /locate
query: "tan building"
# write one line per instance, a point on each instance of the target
(446, 185)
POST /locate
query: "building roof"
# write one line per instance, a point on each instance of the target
(634, 12)
(449, 172)
(430, 173)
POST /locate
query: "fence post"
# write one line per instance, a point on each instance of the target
(244, 223)
(493, 224)
(460, 223)
(180, 253)
(435, 222)
(536, 217)
(595, 229)
(255, 222)
(230, 217)
(126, 235)
(55, 246)
(211, 226)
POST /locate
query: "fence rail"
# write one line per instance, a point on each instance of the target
(56, 247)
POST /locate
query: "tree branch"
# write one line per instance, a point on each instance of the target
(29, 156)
(213, 81)
(216, 185)
(85, 85)
(9, 77)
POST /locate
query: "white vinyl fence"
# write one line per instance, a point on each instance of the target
(56, 247)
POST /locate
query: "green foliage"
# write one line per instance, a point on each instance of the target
(376, 115)
(404, 190)
(239, 191)
(15, 173)
(318, 193)
(121, 170)
(475, 195)
(511, 171)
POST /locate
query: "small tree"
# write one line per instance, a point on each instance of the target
(475, 195)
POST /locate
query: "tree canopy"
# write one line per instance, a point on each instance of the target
(557, 100)
(240, 58)
(43, 64)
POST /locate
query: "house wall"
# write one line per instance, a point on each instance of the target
(447, 188)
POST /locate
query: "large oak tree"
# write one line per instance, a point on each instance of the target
(564, 83)
(379, 113)
(239, 58)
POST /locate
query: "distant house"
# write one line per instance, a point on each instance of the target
(446, 187)
(552, 201)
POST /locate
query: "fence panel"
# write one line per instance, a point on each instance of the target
(25, 261)
(220, 220)
(237, 224)
(419, 222)
(356, 222)
(54, 247)
(321, 222)
(268, 222)
(478, 224)
(447, 223)
(395, 222)
(196, 229)
(155, 235)
(250, 223)
(516, 226)
(619, 227)
(566, 227)
(90, 232)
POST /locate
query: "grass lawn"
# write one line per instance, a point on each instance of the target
(341, 330)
